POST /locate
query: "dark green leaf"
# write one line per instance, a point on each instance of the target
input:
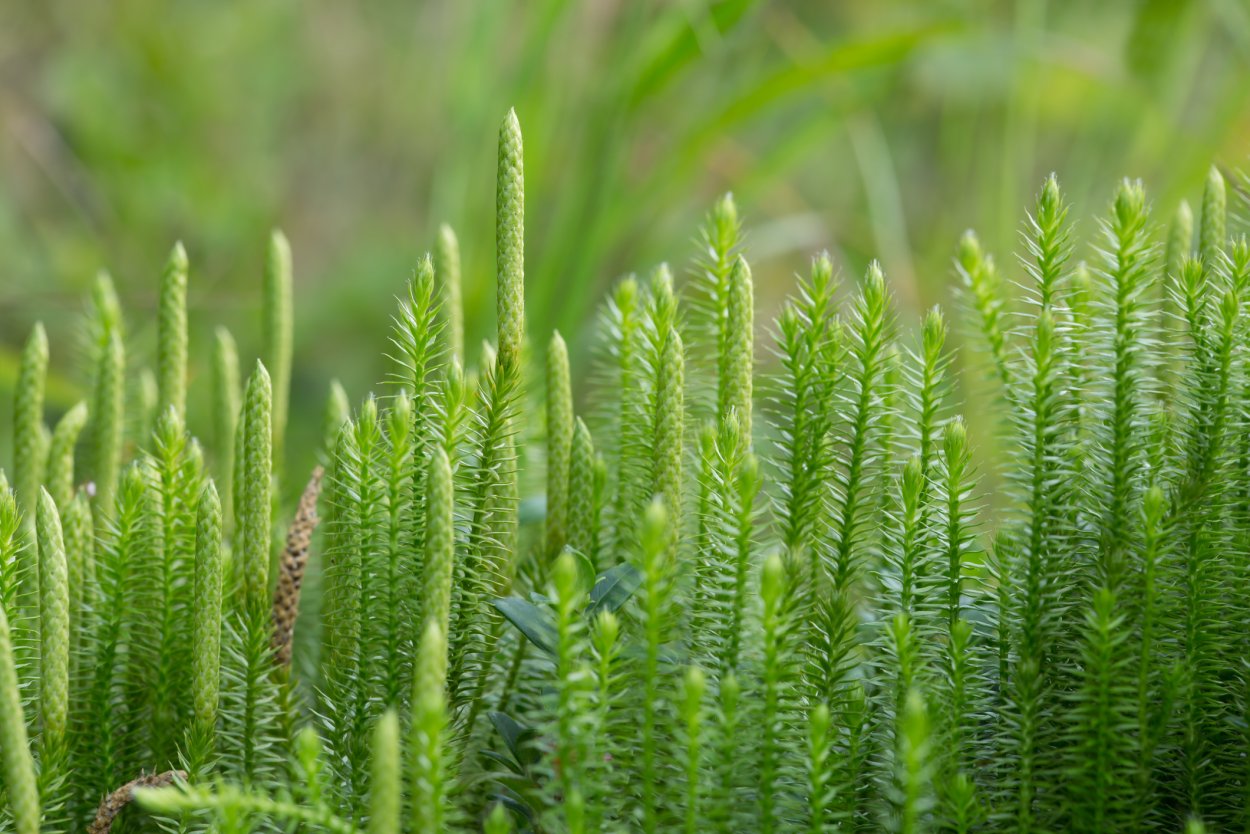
(516, 737)
(506, 761)
(614, 588)
(534, 622)
(514, 803)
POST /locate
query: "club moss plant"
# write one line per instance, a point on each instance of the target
(727, 588)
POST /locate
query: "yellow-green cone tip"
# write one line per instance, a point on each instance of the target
(510, 242)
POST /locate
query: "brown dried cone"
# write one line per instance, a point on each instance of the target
(291, 572)
(113, 804)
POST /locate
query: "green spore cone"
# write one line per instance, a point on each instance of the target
(253, 500)
(559, 442)
(426, 733)
(171, 335)
(440, 542)
(1212, 232)
(226, 397)
(278, 328)
(384, 786)
(447, 271)
(510, 243)
(1180, 243)
(207, 608)
(28, 420)
(15, 755)
(338, 411)
(583, 516)
(53, 623)
(60, 471)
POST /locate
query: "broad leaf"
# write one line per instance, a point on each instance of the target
(534, 622)
(614, 588)
(516, 737)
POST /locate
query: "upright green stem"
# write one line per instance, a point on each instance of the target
(693, 687)
(655, 596)
(668, 414)
(772, 588)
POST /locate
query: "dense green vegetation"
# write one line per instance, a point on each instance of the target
(709, 599)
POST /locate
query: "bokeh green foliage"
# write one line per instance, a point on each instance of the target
(871, 129)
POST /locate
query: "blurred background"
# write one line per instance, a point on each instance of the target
(872, 129)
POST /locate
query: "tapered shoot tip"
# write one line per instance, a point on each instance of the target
(662, 279)
(1130, 199)
(499, 821)
(208, 492)
(741, 266)
(557, 344)
(510, 130)
(874, 281)
(1050, 191)
(565, 573)
(724, 225)
(178, 258)
(1154, 504)
(433, 635)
